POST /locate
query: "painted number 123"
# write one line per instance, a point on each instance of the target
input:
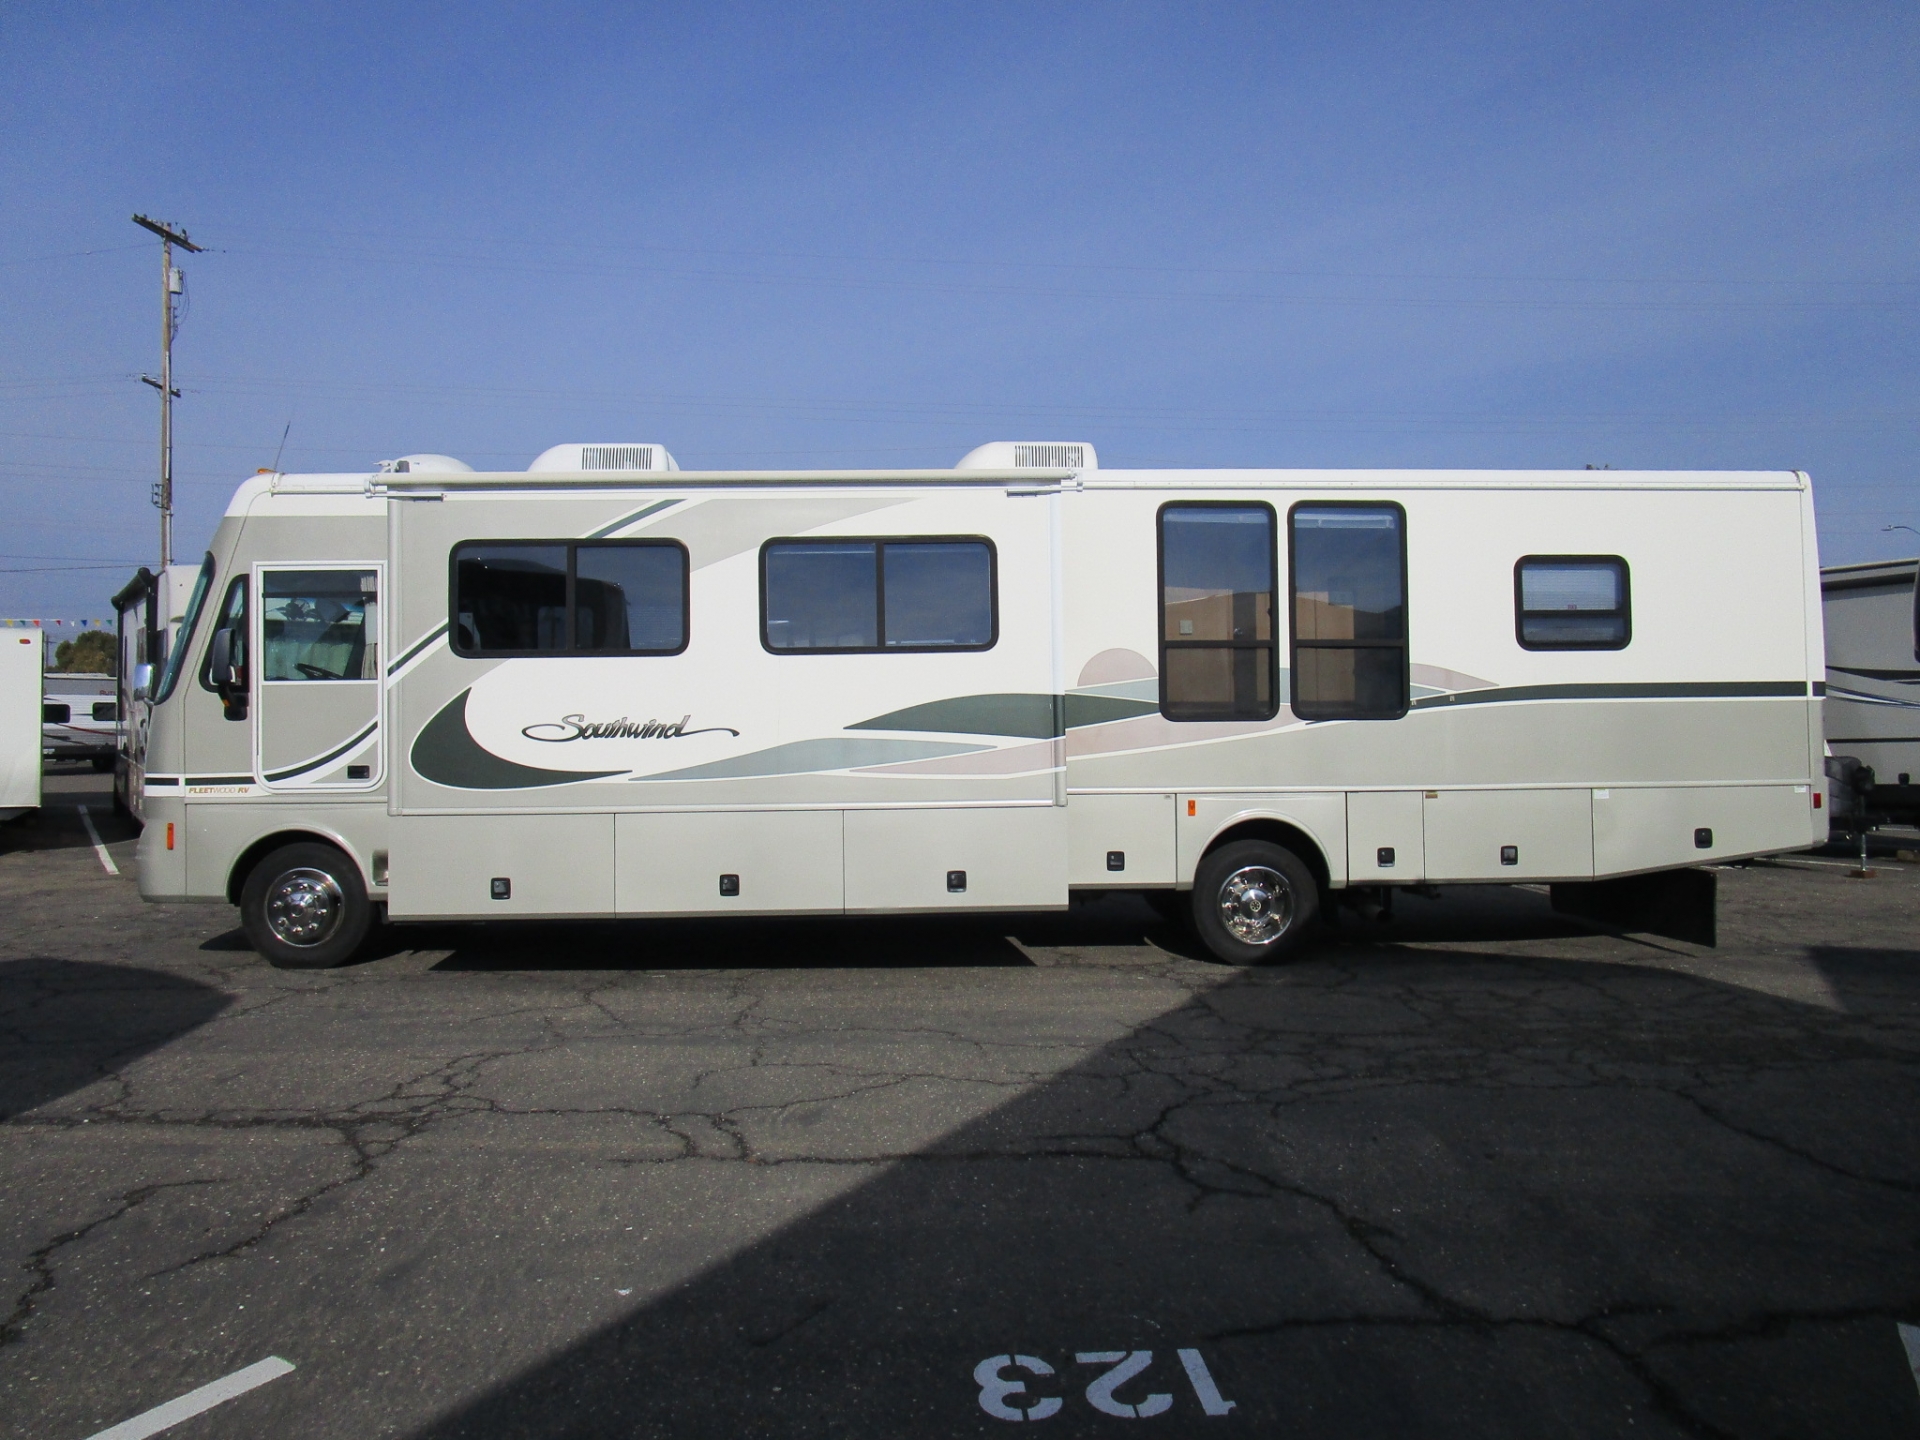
(1004, 1395)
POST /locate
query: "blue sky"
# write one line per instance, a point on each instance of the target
(800, 235)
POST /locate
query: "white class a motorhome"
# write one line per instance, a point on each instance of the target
(610, 687)
(1872, 616)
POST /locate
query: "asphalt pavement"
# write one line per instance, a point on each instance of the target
(1474, 1171)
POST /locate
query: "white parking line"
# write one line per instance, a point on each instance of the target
(165, 1417)
(98, 848)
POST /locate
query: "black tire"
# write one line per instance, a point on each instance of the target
(1254, 902)
(102, 763)
(304, 907)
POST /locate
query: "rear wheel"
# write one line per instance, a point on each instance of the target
(304, 907)
(1254, 902)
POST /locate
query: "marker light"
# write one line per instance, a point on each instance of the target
(169, 834)
(1817, 798)
(1193, 808)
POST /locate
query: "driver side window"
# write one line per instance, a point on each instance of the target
(319, 625)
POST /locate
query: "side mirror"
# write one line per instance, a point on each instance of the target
(142, 681)
(228, 675)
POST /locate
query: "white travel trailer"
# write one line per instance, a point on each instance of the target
(20, 665)
(1873, 688)
(609, 687)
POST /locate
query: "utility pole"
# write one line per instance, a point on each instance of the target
(171, 284)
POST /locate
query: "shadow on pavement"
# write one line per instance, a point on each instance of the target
(828, 942)
(65, 1023)
(1380, 1192)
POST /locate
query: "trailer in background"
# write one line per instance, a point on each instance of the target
(1872, 614)
(80, 718)
(19, 722)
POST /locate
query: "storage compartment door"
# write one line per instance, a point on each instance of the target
(1651, 829)
(1386, 838)
(728, 862)
(998, 858)
(1509, 834)
(1120, 841)
(480, 867)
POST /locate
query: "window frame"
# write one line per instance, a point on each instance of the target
(572, 547)
(880, 647)
(1404, 644)
(1272, 645)
(1624, 612)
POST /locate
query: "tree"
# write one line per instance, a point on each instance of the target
(91, 652)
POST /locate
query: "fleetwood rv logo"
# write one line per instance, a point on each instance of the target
(578, 727)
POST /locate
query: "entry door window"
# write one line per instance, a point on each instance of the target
(1217, 583)
(319, 625)
(1349, 564)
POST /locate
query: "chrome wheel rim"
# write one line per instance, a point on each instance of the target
(1256, 904)
(304, 907)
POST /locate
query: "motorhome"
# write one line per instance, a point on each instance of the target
(606, 686)
(1872, 618)
(147, 609)
(20, 667)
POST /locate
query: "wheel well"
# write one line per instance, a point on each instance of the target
(265, 846)
(1278, 832)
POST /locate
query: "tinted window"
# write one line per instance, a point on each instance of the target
(1572, 602)
(55, 714)
(509, 599)
(1348, 567)
(1216, 610)
(106, 710)
(629, 597)
(821, 596)
(319, 625)
(938, 594)
(620, 597)
(877, 595)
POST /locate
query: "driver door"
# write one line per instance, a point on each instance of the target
(316, 639)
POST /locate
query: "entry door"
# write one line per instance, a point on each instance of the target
(317, 693)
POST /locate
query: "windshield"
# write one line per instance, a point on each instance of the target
(183, 638)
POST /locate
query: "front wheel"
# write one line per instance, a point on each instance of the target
(1254, 902)
(304, 907)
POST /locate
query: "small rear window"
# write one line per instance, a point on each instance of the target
(52, 714)
(1572, 602)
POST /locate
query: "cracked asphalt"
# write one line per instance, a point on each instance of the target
(1476, 1171)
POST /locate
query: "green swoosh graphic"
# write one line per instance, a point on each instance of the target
(446, 753)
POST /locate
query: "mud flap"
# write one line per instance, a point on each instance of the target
(1679, 904)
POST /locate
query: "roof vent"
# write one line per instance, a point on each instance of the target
(616, 457)
(602, 458)
(1031, 455)
(424, 465)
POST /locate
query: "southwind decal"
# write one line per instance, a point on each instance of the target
(578, 727)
